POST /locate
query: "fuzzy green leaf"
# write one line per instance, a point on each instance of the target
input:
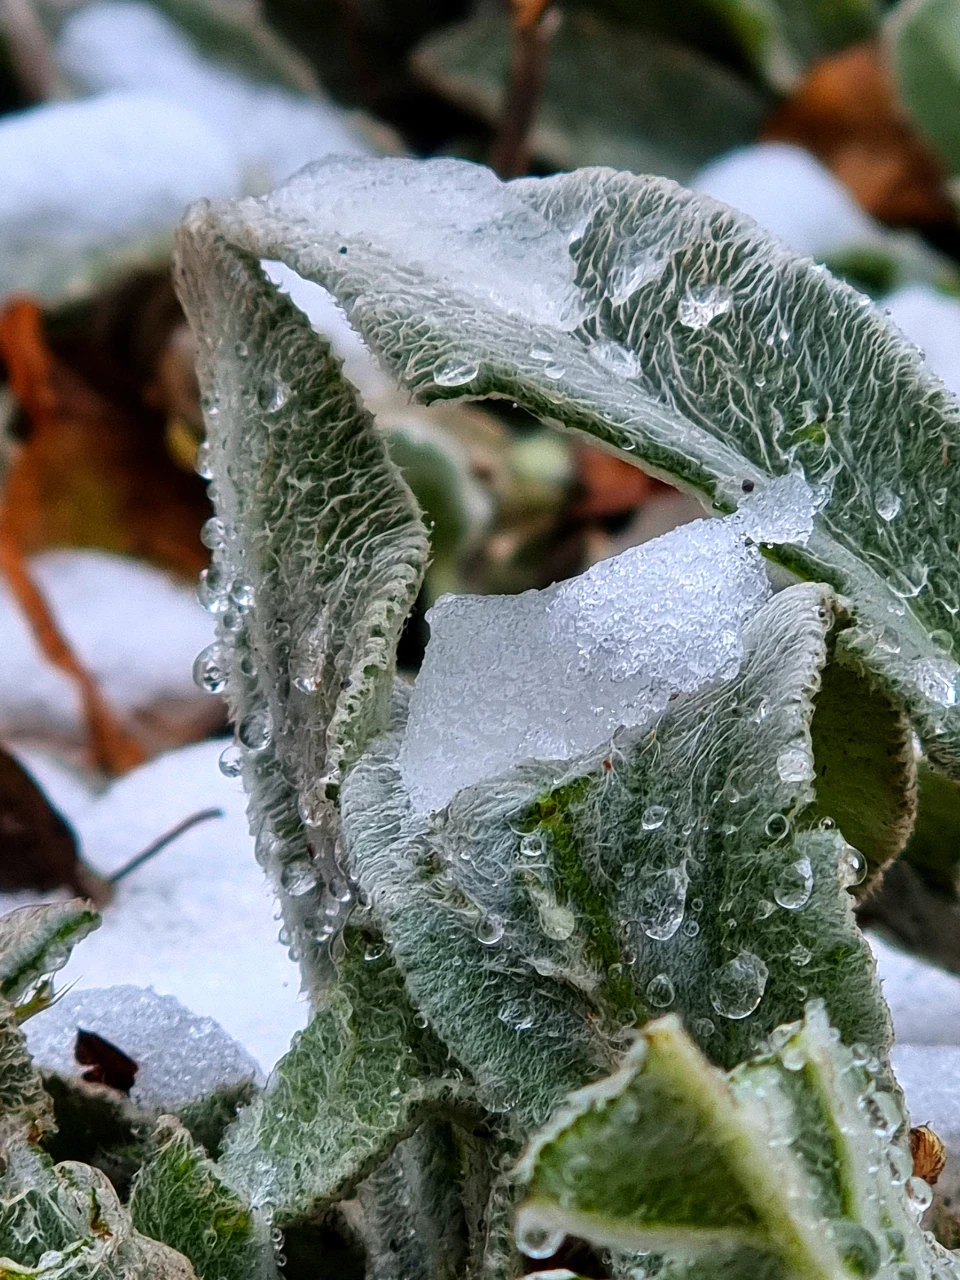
(64, 1222)
(664, 109)
(25, 1108)
(544, 910)
(36, 941)
(361, 1077)
(796, 1165)
(179, 1197)
(319, 529)
(665, 325)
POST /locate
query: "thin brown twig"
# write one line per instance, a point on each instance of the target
(162, 841)
(533, 24)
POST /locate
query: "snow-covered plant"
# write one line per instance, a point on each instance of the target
(652, 790)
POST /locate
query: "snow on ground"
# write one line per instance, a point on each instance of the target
(135, 628)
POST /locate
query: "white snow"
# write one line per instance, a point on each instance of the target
(180, 1057)
(550, 674)
(135, 628)
(924, 1000)
(269, 131)
(792, 195)
(932, 321)
(95, 175)
(197, 922)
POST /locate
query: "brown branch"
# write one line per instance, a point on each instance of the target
(533, 25)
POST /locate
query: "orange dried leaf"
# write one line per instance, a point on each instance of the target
(929, 1154)
(846, 112)
(608, 486)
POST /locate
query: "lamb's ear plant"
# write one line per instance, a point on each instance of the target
(481, 922)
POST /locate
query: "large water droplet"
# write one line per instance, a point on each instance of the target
(213, 533)
(698, 307)
(454, 373)
(794, 885)
(211, 668)
(489, 931)
(654, 816)
(272, 393)
(516, 1015)
(661, 901)
(737, 987)
(777, 826)
(298, 877)
(254, 731)
(201, 463)
(538, 1241)
(852, 866)
(242, 595)
(887, 504)
(231, 761)
(212, 590)
(660, 991)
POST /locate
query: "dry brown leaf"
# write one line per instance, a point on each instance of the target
(929, 1154)
(608, 486)
(846, 112)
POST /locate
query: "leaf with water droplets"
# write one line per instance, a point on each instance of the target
(795, 1164)
(718, 406)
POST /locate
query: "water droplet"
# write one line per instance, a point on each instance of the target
(777, 826)
(307, 681)
(703, 1027)
(202, 461)
(489, 931)
(919, 1196)
(660, 991)
(794, 885)
(882, 1112)
(211, 668)
(698, 307)
(852, 867)
(857, 1248)
(213, 533)
(454, 373)
(375, 951)
(537, 1241)
(660, 902)
(231, 621)
(690, 928)
(255, 731)
(764, 909)
(887, 504)
(420, 1020)
(799, 955)
(516, 1015)
(212, 590)
(937, 678)
(532, 844)
(241, 350)
(298, 877)
(654, 816)
(619, 359)
(795, 764)
(737, 987)
(242, 595)
(231, 761)
(272, 393)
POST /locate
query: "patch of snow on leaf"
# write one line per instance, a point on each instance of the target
(550, 674)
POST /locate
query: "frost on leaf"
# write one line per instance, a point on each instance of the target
(742, 362)
(795, 1164)
(686, 866)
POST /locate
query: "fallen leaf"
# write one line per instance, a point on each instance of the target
(107, 1064)
(38, 848)
(929, 1153)
(608, 487)
(846, 112)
